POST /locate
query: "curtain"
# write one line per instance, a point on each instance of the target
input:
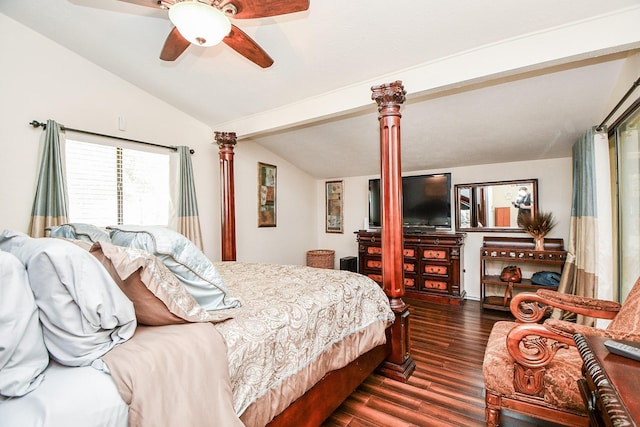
(188, 219)
(588, 270)
(50, 205)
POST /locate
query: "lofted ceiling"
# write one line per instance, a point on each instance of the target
(487, 81)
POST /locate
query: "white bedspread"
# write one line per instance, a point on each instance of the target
(291, 314)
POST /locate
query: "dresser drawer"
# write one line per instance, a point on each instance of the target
(376, 264)
(437, 269)
(409, 266)
(435, 285)
(410, 252)
(377, 250)
(373, 263)
(441, 254)
(410, 281)
(374, 250)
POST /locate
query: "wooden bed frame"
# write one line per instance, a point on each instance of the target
(392, 359)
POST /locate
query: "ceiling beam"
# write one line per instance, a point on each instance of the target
(594, 37)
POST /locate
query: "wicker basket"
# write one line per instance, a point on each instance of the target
(321, 258)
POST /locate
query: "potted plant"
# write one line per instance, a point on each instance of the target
(539, 226)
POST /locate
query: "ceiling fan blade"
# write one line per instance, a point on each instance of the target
(247, 9)
(149, 3)
(245, 46)
(173, 46)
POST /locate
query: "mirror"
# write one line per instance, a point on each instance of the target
(495, 206)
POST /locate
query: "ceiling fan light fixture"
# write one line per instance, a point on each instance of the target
(199, 23)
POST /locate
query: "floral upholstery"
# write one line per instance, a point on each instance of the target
(560, 377)
(628, 318)
(535, 368)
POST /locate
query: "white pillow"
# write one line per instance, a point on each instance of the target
(82, 310)
(183, 258)
(23, 355)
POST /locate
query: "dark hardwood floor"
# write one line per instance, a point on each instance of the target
(447, 388)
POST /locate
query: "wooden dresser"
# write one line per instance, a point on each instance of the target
(432, 264)
(610, 387)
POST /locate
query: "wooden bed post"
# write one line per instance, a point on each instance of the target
(226, 141)
(399, 365)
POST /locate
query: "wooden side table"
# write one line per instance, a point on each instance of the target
(610, 386)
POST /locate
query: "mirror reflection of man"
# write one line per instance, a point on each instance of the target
(523, 203)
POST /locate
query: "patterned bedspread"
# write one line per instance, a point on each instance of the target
(290, 315)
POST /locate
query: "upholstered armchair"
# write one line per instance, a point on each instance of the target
(533, 368)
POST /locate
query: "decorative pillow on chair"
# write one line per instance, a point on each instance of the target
(158, 297)
(183, 258)
(83, 312)
(86, 232)
(23, 355)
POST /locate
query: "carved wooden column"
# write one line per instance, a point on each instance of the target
(226, 141)
(399, 364)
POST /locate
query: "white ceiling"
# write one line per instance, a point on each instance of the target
(487, 81)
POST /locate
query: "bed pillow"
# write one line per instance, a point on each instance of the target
(85, 232)
(158, 297)
(82, 310)
(183, 259)
(23, 355)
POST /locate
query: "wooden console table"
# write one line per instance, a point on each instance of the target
(610, 386)
(498, 252)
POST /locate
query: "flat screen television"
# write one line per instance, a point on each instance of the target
(426, 202)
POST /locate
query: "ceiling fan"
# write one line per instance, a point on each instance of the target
(206, 23)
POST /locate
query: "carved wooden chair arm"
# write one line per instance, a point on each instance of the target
(534, 346)
(530, 307)
(569, 329)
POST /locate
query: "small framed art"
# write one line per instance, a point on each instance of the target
(267, 181)
(334, 216)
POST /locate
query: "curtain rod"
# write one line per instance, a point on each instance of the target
(37, 124)
(619, 104)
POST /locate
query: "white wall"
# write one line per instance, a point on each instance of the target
(42, 80)
(554, 194)
(294, 233)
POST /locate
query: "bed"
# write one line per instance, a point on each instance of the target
(289, 342)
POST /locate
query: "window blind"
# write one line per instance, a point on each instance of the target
(111, 185)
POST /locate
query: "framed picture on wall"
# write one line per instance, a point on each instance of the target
(266, 195)
(334, 191)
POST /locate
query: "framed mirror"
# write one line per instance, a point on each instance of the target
(495, 206)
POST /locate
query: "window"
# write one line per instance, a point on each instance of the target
(113, 185)
(625, 137)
